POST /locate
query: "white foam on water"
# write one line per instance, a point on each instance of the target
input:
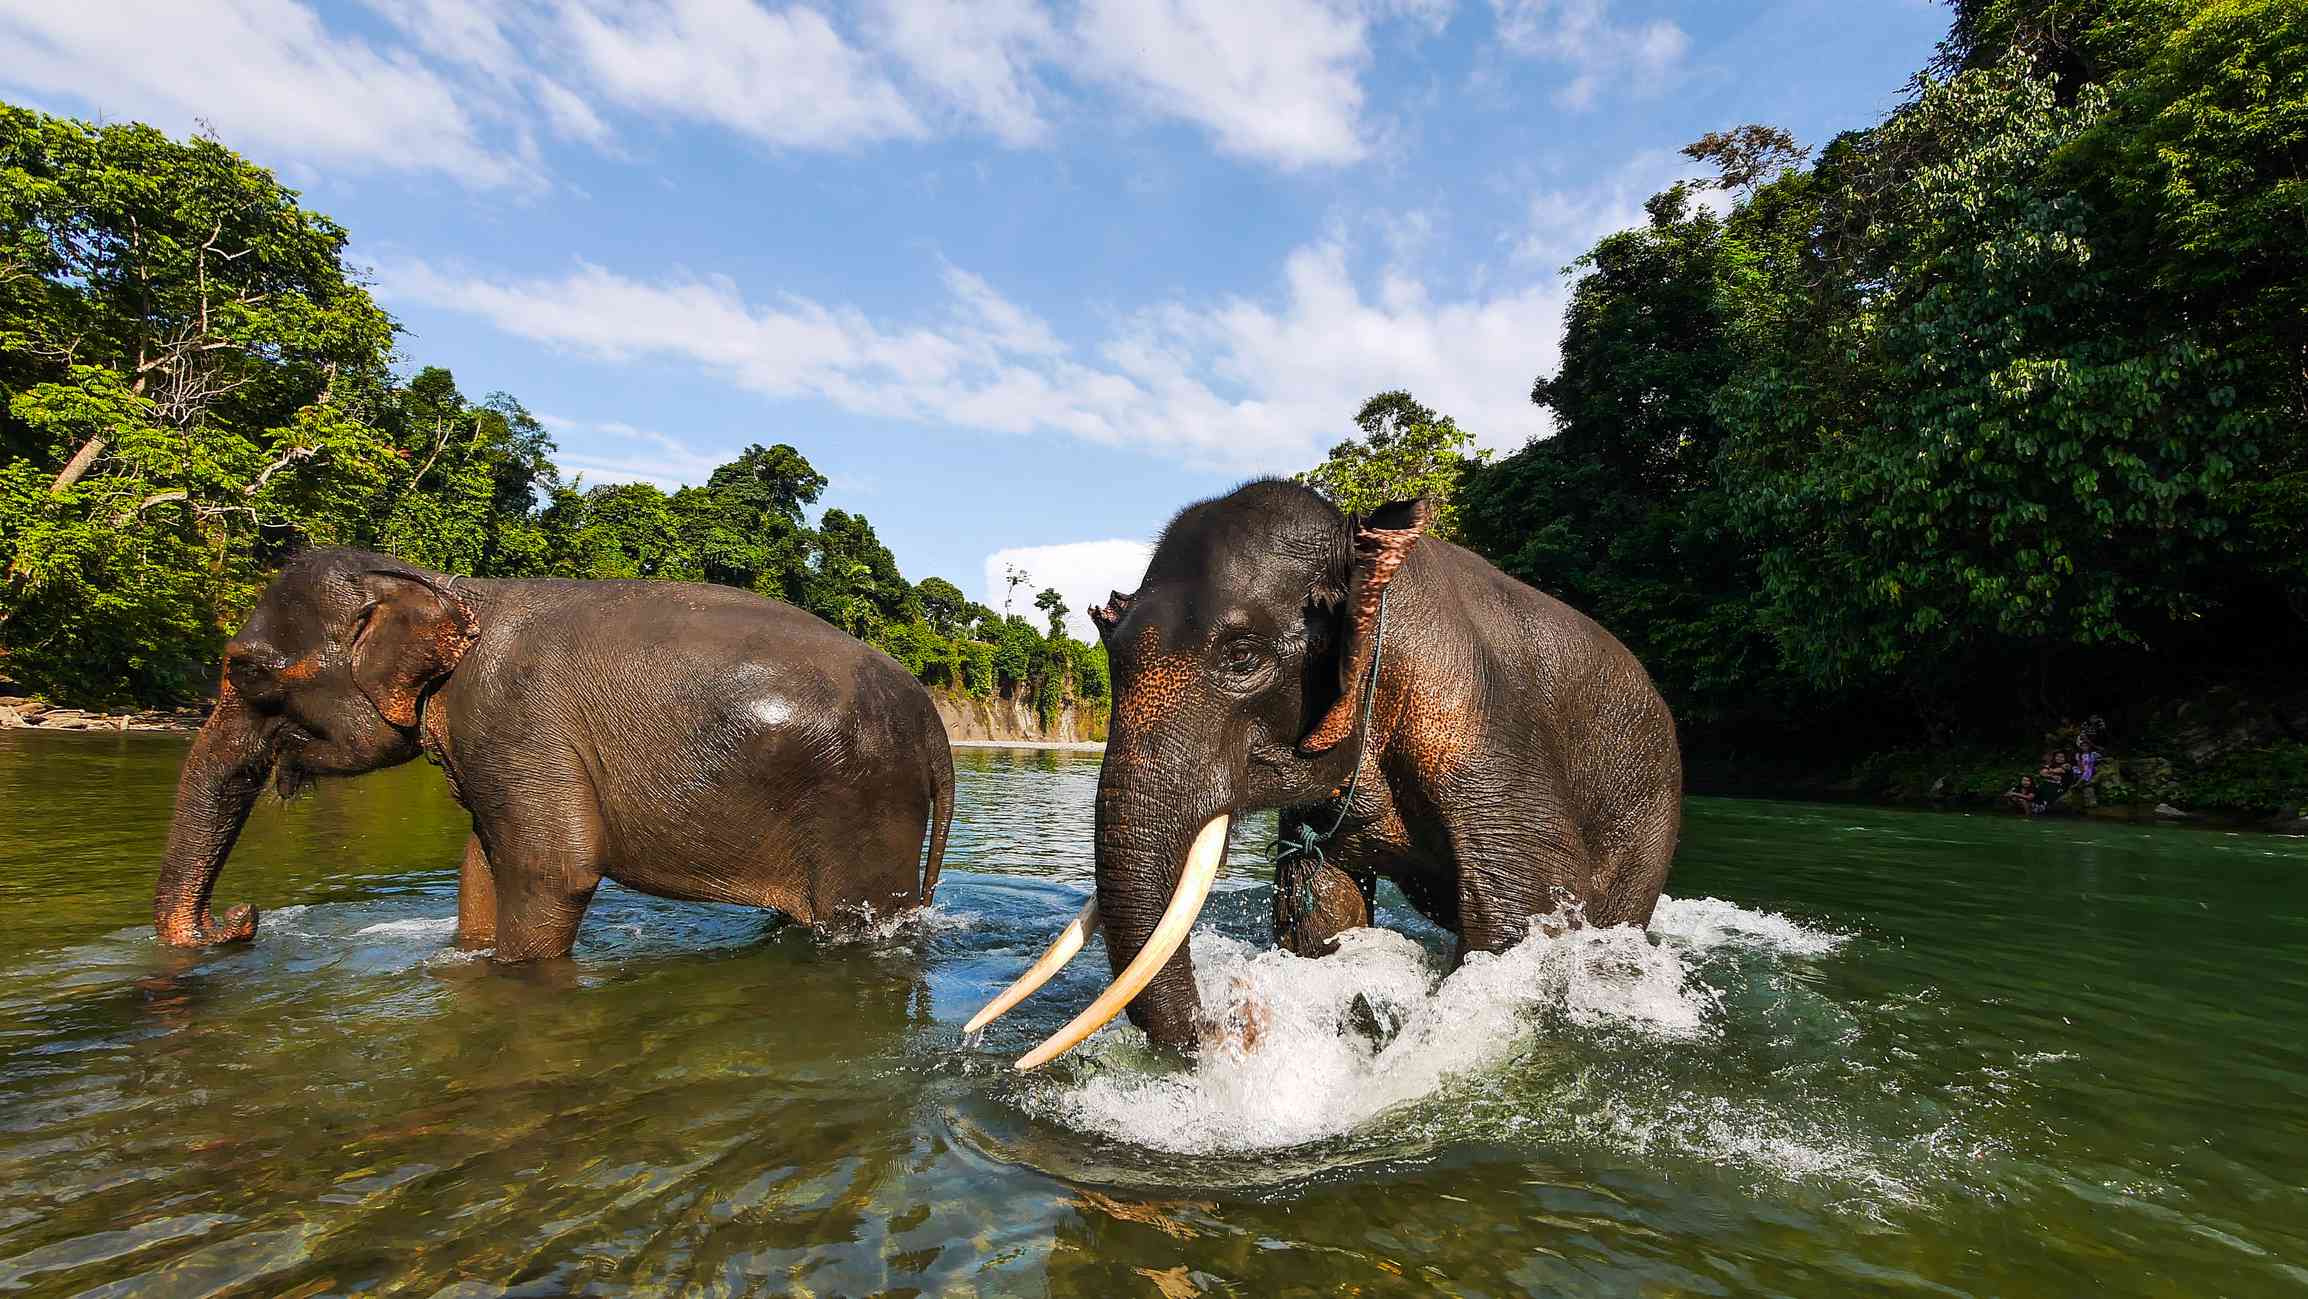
(864, 926)
(1377, 1026)
(420, 927)
(1738, 1133)
(283, 922)
(1712, 922)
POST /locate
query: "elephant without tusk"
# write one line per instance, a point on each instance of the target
(690, 741)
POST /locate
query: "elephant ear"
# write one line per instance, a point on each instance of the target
(1110, 613)
(410, 635)
(1381, 543)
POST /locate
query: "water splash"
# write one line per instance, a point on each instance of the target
(1712, 922)
(426, 927)
(1545, 1040)
(864, 927)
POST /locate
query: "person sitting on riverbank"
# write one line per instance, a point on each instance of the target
(2086, 767)
(2024, 797)
(2052, 778)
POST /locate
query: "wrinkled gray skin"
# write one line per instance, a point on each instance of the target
(689, 741)
(1519, 758)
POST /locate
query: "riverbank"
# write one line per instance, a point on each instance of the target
(2260, 788)
(1016, 719)
(20, 712)
(2260, 784)
(2229, 755)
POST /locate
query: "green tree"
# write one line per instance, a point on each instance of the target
(632, 530)
(2071, 43)
(2030, 470)
(1747, 156)
(1090, 673)
(854, 581)
(2202, 151)
(1620, 512)
(944, 606)
(1013, 578)
(1406, 451)
(1053, 606)
(749, 527)
(473, 477)
(189, 374)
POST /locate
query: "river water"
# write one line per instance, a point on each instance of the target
(1862, 1051)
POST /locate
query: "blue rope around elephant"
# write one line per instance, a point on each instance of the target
(1307, 847)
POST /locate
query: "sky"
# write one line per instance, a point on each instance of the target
(1022, 279)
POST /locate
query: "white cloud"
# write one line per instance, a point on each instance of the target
(1314, 358)
(634, 455)
(1642, 57)
(1276, 81)
(1005, 323)
(266, 74)
(1241, 384)
(1085, 572)
(783, 76)
(975, 56)
(483, 39)
(1237, 385)
(467, 87)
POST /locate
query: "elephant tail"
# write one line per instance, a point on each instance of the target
(941, 816)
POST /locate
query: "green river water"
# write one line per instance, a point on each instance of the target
(1860, 1052)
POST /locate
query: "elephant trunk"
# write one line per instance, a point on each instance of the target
(220, 782)
(1159, 846)
(1153, 877)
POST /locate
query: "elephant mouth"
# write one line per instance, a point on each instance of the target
(293, 774)
(1203, 861)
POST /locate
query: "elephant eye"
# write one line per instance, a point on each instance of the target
(255, 676)
(1239, 655)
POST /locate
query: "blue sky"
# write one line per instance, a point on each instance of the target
(1021, 277)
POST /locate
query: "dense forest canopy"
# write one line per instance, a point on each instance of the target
(1994, 413)
(194, 385)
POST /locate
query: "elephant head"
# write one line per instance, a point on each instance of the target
(1238, 667)
(325, 679)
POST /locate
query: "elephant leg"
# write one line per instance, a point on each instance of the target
(545, 866)
(1636, 861)
(1512, 868)
(476, 898)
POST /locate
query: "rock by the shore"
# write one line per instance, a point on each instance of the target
(17, 711)
(2171, 813)
(1061, 746)
(1014, 720)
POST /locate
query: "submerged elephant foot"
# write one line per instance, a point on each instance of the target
(237, 926)
(1243, 1025)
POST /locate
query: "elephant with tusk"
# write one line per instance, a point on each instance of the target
(1495, 753)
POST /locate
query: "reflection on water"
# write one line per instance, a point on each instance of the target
(1862, 1051)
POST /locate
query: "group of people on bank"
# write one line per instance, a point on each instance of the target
(2066, 776)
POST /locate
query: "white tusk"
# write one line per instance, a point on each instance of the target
(1065, 947)
(1202, 863)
